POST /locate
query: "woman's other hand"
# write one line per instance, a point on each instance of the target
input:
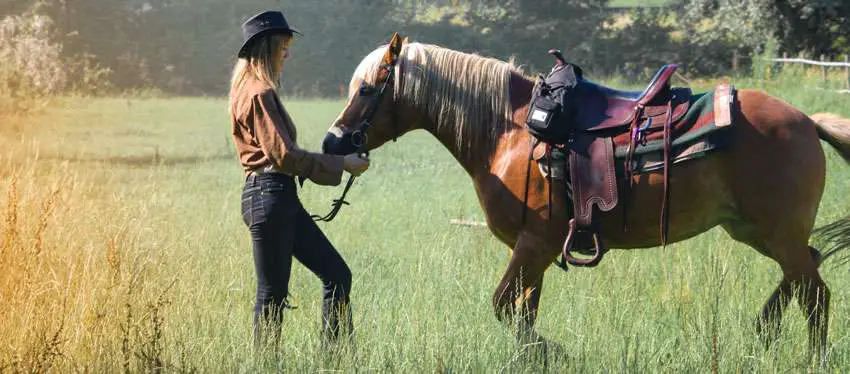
(355, 164)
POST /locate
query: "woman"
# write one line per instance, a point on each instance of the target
(265, 139)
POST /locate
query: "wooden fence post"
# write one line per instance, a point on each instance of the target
(823, 70)
(734, 61)
(847, 71)
(781, 65)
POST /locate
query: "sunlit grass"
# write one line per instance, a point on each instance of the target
(123, 250)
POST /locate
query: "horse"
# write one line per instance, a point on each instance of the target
(763, 189)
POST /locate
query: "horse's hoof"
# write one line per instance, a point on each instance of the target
(768, 331)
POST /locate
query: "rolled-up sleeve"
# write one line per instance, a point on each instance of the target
(273, 135)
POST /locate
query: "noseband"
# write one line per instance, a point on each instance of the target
(360, 136)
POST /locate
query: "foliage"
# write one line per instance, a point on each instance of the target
(529, 28)
(31, 62)
(815, 27)
(640, 43)
(187, 47)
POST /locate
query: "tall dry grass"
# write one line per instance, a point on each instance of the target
(75, 292)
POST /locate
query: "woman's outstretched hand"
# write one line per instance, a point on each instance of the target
(355, 164)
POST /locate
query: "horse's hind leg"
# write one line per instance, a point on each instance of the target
(799, 264)
(801, 277)
(813, 297)
(801, 273)
(769, 322)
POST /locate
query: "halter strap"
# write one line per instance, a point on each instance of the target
(362, 135)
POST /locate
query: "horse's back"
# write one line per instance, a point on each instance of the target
(773, 167)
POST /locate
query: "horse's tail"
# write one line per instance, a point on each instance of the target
(835, 130)
(834, 237)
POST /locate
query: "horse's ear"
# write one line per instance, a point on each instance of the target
(393, 50)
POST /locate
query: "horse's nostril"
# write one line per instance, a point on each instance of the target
(358, 138)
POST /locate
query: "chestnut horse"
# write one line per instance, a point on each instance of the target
(763, 189)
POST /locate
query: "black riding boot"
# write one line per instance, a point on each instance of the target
(336, 320)
(267, 328)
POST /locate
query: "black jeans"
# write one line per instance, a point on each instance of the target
(280, 229)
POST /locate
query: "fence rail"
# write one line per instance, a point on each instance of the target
(812, 62)
(799, 60)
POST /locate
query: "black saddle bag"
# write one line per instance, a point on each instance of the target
(553, 104)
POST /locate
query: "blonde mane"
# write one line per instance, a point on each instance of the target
(465, 92)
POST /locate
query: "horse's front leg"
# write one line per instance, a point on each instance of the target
(518, 295)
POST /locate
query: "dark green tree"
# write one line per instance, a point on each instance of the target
(189, 46)
(811, 26)
(529, 28)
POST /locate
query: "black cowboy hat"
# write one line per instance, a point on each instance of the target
(265, 23)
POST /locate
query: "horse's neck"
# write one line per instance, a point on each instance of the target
(478, 159)
(474, 160)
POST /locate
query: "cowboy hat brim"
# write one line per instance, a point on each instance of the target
(270, 31)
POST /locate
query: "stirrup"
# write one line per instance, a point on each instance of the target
(599, 249)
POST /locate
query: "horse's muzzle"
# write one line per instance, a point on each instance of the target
(339, 142)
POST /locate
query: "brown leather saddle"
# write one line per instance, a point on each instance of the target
(603, 108)
(602, 117)
(606, 114)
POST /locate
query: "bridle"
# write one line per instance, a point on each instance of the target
(360, 136)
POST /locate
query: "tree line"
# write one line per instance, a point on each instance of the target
(187, 47)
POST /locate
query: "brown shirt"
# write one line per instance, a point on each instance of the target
(265, 136)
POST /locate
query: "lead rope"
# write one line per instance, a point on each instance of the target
(336, 204)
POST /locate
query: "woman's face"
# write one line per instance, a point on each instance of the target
(282, 53)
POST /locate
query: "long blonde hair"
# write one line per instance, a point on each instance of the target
(259, 64)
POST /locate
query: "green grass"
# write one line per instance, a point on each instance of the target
(145, 262)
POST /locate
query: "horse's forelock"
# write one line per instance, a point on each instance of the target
(368, 68)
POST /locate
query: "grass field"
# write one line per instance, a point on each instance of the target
(123, 250)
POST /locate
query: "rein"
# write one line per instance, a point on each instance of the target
(359, 138)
